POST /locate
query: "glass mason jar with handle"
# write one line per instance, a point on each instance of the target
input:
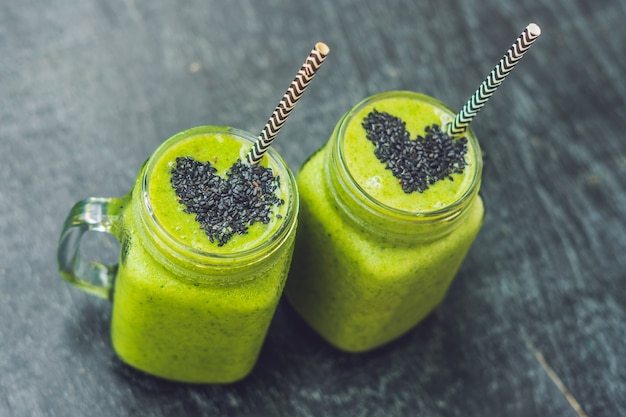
(371, 260)
(186, 307)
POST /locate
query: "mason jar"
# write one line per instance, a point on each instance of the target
(185, 308)
(372, 261)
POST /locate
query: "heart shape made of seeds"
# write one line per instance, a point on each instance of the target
(419, 162)
(225, 206)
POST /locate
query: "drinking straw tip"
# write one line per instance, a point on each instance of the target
(534, 29)
(288, 102)
(494, 79)
(322, 48)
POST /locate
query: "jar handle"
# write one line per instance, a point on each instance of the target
(92, 214)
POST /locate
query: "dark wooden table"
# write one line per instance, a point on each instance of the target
(534, 324)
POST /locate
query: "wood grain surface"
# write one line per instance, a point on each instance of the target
(535, 322)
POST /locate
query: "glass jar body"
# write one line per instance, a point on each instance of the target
(192, 324)
(364, 274)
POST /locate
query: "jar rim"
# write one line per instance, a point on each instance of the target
(185, 253)
(450, 210)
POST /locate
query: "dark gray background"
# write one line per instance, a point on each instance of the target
(88, 89)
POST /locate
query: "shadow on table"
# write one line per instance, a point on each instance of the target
(296, 373)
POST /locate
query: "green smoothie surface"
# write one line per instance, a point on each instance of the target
(378, 182)
(222, 150)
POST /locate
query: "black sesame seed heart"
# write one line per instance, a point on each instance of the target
(416, 163)
(225, 206)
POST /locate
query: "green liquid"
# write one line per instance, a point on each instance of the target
(371, 175)
(185, 321)
(360, 288)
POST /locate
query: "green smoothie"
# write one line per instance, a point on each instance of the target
(186, 308)
(372, 260)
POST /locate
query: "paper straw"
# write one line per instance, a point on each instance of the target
(495, 78)
(288, 102)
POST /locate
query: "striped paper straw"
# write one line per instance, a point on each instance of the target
(288, 102)
(495, 78)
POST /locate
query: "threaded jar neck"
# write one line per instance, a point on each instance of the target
(362, 209)
(183, 258)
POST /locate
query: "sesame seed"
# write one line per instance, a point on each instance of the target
(417, 163)
(227, 206)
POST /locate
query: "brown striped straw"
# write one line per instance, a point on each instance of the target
(494, 79)
(288, 102)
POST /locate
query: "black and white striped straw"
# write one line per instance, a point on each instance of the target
(288, 102)
(495, 78)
